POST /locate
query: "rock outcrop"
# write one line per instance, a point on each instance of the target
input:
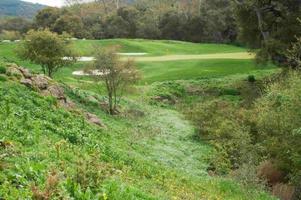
(48, 87)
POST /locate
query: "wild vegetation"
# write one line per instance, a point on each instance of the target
(152, 119)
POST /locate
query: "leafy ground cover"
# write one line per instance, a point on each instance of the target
(41, 142)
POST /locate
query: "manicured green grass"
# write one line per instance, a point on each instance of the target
(8, 54)
(184, 70)
(159, 70)
(156, 47)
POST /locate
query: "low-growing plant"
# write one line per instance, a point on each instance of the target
(50, 190)
(2, 69)
(3, 78)
(251, 79)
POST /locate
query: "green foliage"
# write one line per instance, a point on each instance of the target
(251, 79)
(3, 78)
(277, 116)
(294, 55)
(17, 24)
(268, 129)
(190, 21)
(270, 25)
(10, 35)
(218, 122)
(69, 23)
(2, 69)
(116, 74)
(48, 50)
(47, 17)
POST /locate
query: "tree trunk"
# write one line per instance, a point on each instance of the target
(50, 73)
(111, 108)
(264, 34)
(117, 4)
(44, 70)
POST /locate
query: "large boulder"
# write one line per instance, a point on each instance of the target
(68, 104)
(13, 70)
(25, 72)
(55, 91)
(27, 82)
(48, 87)
(40, 81)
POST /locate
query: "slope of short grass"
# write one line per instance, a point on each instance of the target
(156, 47)
(195, 69)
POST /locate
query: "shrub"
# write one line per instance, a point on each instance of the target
(10, 35)
(3, 78)
(2, 70)
(247, 175)
(268, 170)
(277, 123)
(283, 191)
(230, 92)
(251, 79)
(219, 123)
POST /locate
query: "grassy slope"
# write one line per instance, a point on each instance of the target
(41, 138)
(157, 47)
(162, 71)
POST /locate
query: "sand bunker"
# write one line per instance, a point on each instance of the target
(132, 54)
(88, 73)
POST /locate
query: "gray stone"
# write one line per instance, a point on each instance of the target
(40, 81)
(26, 82)
(94, 119)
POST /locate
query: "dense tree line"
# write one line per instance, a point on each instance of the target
(209, 21)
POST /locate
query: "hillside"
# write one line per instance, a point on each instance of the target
(148, 151)
(13, 8)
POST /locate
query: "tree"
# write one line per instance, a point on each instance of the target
(130, 15)
(271, 25)
(148, 26)
(219, 20)
(47, 49)
(116, 27)
(10, 35)
(117, 75)
(46, 18)
(15, 24)
(71, 24)
(171, 26)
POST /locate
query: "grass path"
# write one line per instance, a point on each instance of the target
(173, 143)
(238, 56)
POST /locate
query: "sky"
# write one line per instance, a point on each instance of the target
(57, 3)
